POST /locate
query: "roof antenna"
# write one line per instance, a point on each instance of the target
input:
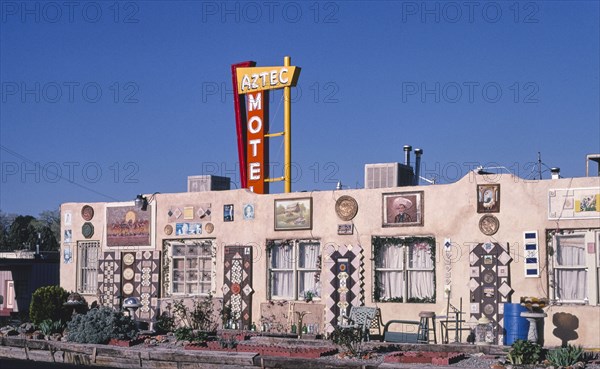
(540, 164)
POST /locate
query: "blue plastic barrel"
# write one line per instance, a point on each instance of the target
(515, 326)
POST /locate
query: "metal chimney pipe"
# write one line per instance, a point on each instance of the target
(418, 153)
(555, 173)
(407, 149)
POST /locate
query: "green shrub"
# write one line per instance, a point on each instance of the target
(47, 303)
(100, 325)
(565, 356)
(48, 327)
(524, 352)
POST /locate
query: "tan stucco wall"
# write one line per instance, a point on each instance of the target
(450, 211)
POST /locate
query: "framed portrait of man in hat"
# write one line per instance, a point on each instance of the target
(403, 209)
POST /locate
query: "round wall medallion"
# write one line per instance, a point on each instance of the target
(128, 259)
(489, 224)
(168, 229)
(87, 230)
(128, 274)
(346, 208)
(489, 309)
(87, 213)
(488, 277)
(209, 228)
(128, 288)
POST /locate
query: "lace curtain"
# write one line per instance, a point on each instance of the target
(391, 278)
(420, 281)
(571, 283)
(282, 274)
(308, 258)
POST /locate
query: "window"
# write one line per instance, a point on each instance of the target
(404, 269)
(574, 264)
(294, 269)
(192, 267)
(87, 258)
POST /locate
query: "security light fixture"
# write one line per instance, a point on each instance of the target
(142, 201)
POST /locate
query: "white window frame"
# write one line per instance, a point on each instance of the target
(88, 253)
(199, 257)
(406, 270)
(295, 269)
(591, 266)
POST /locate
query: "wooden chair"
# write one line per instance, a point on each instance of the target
(360, 318)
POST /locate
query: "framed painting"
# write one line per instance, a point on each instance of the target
(403, 209)
(488, 198)
(128, 226)
(293, 214)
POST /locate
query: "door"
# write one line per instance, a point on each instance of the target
(237, 284)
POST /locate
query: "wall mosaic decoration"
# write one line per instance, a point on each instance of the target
(489, 224)
(237, 283)
(575, 203)
(197, 212)
(488, 198)
(490, 283)
(109, 279)
(293, 214)
(343, 269)
(531, 252)
(403, 209)
(87, 213)
(143, 275)
(128, 226)
(346, 208)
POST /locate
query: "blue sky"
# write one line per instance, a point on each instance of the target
(101, 100)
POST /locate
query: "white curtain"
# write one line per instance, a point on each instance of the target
(391, 282)
(571, 283)
(421, 280)
(282, 260)
(308, 257)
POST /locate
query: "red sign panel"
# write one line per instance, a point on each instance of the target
(256, 154)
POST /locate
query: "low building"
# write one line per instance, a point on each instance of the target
(477, 243)
(21, 273)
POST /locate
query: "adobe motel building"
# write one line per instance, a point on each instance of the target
(483, 240)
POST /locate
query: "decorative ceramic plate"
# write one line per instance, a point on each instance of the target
(128, 259)
(346, 208)
(168, 229)
(488, 277)
(209, 228)
(87, 213)
(488, 309)
(128, 288)
(87, 230)
(489, 224)
(128, 274)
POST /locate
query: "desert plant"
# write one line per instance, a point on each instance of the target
(524, 352)
(190, 335)
(100, 325)
(48, 303)
(349, 338)
(165, 323)
(565, 356)
(199, 317)
(48, 327)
